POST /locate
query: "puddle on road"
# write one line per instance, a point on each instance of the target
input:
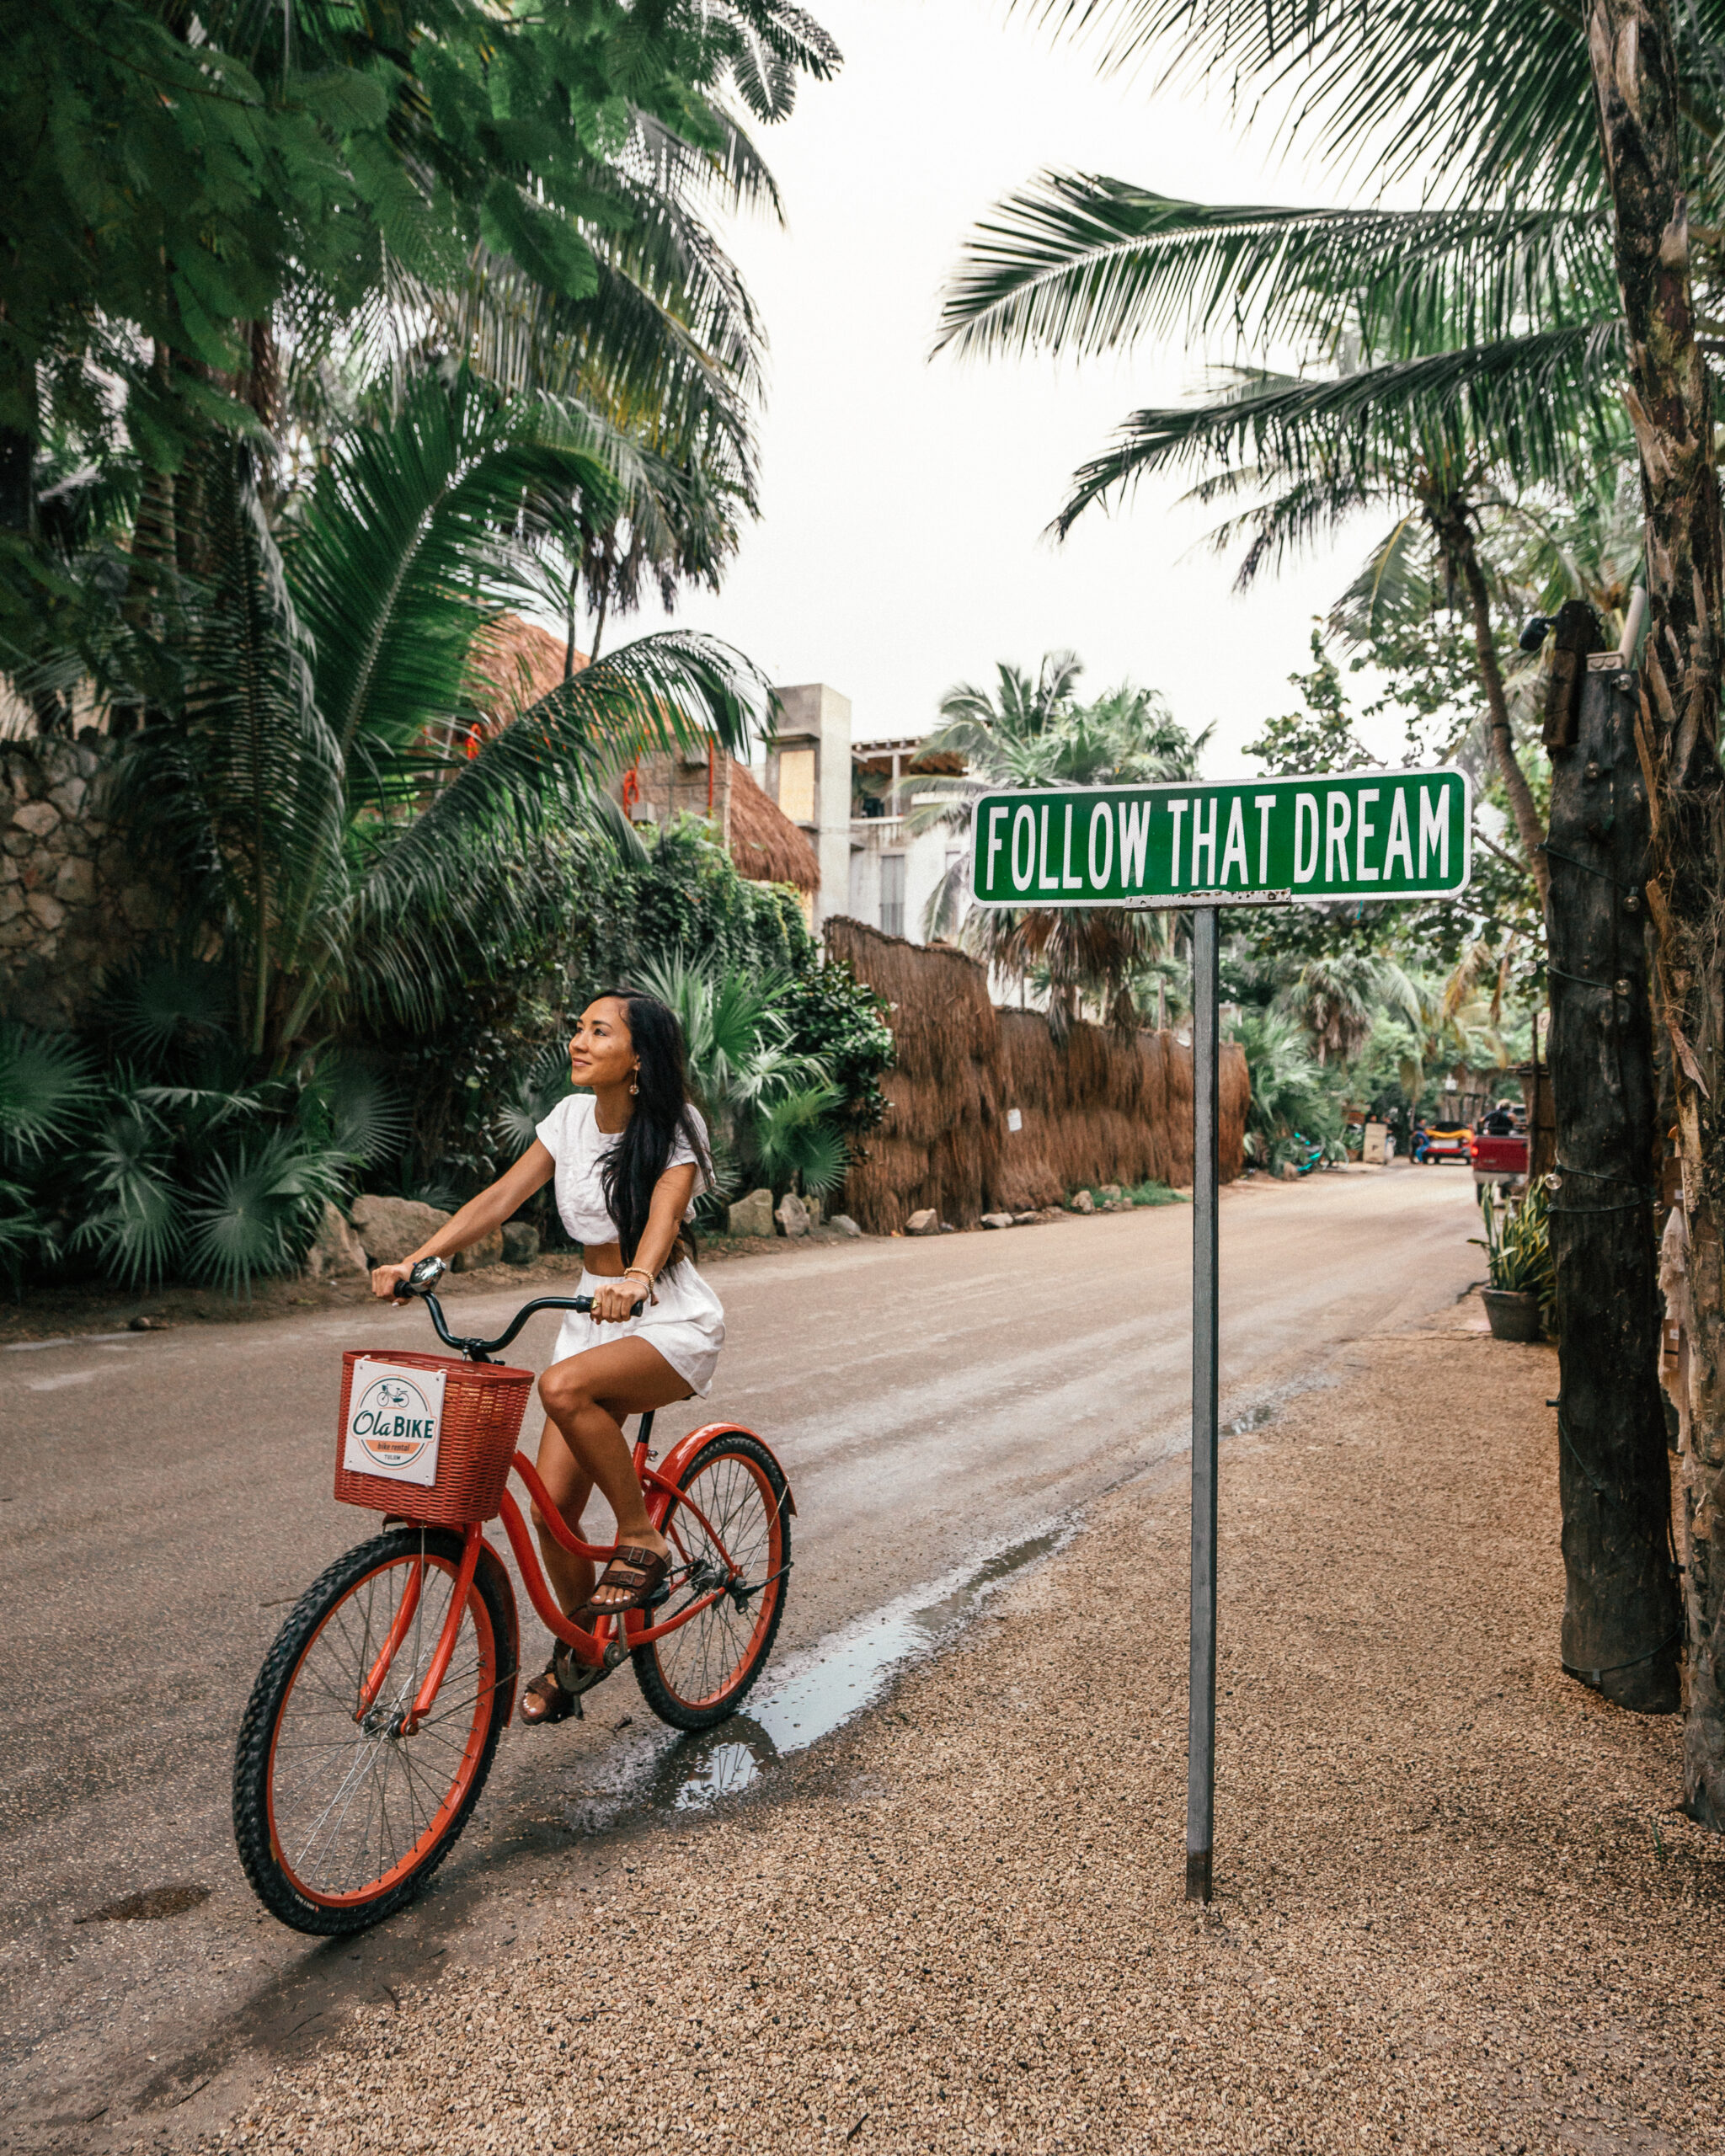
(817, 1691)
(814, 1693)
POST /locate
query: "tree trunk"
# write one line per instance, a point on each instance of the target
(1636, 82)
(1457, 536)
(1622, 1619)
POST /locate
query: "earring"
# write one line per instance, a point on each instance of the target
(633, 1087)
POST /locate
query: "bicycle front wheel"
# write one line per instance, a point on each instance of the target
(728, 1527)
(340, 1813)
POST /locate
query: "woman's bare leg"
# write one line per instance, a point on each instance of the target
(569, 1489)
(588, 1397)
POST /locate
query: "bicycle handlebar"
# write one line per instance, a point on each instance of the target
(425, 1277)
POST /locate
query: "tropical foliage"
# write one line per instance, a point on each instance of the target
(211, 222)
(324, 341)
(1026, 733)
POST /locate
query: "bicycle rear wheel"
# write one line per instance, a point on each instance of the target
(341, 1816)
(695, 1676)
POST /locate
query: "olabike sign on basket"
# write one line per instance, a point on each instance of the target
(394, 1422)
(1361, 834)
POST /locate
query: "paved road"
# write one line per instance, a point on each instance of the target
(164, 1499)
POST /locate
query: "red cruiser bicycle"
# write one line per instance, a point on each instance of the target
(375, 1718)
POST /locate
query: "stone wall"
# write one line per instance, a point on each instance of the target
(71, 903)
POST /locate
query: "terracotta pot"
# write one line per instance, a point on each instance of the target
(1514, 1313)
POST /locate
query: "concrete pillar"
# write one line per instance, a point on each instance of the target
(809, 776)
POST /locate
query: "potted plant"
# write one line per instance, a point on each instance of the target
(1518, 1248)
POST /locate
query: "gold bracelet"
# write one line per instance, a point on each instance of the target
(638, 1271)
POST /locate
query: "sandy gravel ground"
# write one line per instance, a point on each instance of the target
(1457, 1906)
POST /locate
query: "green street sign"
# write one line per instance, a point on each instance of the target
(1360, 835)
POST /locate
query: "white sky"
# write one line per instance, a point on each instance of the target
(900, 547)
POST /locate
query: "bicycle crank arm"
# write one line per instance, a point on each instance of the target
(577, 1676)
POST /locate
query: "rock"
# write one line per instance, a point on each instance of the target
(752, 1216)
(76, 883)
(815, 1211)
(1289, 1172)
(845, 1225)
(68, 797)
(1117, 1205)
(48, 911)
(997, 1220)
(926, 1222)
(521, 1242)
(148, 1325)
(489, 1250)
(391, 1227)
(948, 1229)
(1080, 1201)
(1027, 1219)
(793, 1214)
(1111, 1190)
(338, 1253)
(38, 818)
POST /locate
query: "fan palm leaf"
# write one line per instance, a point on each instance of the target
(48, 1086)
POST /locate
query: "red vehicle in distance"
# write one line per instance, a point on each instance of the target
(1498, 1145)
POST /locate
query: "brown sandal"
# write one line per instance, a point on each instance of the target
(642, 1571)
(559, 1705)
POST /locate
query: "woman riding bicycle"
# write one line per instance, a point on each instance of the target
(627, 1159)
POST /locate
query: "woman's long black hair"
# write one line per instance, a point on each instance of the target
(660, 1113)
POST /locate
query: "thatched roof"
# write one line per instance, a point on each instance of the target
(766, 846)
(514, 663)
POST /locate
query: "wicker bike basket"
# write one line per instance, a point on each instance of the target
(482, 1406)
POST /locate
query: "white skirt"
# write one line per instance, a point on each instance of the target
(686, 1325)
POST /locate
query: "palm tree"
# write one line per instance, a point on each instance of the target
(1461, 355)
(1337, 1000)
(1624, 123)
(1038, 734)
(355, 842)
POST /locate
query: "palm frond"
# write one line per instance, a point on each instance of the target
(1080, 263)
(431, 893)
(1501, 98)
(406, 547)
(48, 1086)
(1535, 402)
(253, 1211)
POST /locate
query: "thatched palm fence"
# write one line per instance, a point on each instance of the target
(1093, 1109)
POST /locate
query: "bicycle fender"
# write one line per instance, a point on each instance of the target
(490, 1562)
(680, 1454)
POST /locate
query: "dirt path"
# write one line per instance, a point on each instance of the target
(1458, 1908)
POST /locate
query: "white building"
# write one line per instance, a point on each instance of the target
(807, 773)
(853, 804)
(893, 870)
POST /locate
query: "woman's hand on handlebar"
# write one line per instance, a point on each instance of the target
(615, 1301)
(384, 1277)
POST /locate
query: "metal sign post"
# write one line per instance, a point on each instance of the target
(1201, 1695)
(1372, 835)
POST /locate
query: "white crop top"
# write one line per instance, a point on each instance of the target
(571, 1135)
